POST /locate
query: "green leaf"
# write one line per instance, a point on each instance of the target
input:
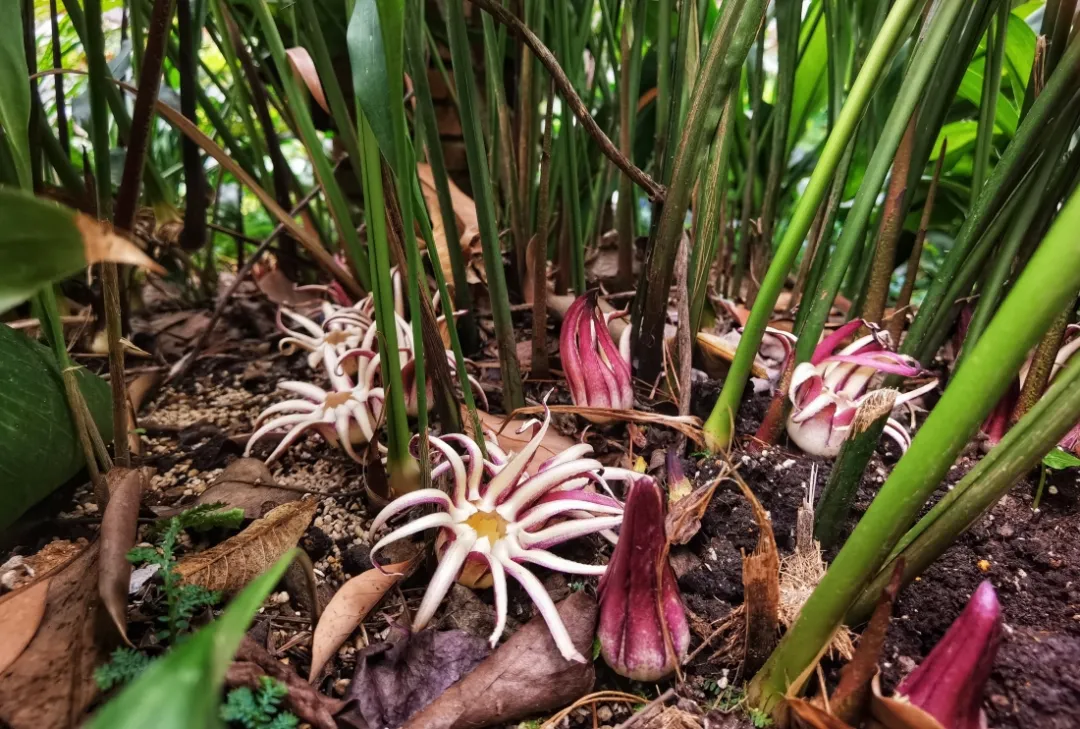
(1006, 117)
(183, 689)
(1060, 459)
(15, 92)
(38, 447)
(42, 242)
(369, 72)
(811, 85)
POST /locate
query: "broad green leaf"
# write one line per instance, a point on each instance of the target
(41, 242)
(811, 85)
(1006, 116)
(38, 447)
(369, 72)
(14, 92)
(1019, 55)
(183, 689)
(1060, 459)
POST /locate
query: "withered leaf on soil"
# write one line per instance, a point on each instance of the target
(683, 519)
(510, 440)
(51, 684)
(310, 706)
(801, 714)
(348, 608)
(897, 714)
(526, 675)
(394, 680)
(761, 587)
(240, 558)
(119, 527)
(20, 614)
(247, 484)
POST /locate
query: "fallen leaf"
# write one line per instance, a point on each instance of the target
(247, 484)
(244, 556)
(395, 680)
(310, 706)
(683, 519)
(526, 675)
(348, 608)
(103, 244)
(277, 287)
(510, 440)
(801, 714)
(119, 527)
(464, 218)
(50, 685)
(303, 69)
(688, 425)
(719, 352)
(20, 614)
(898, 714)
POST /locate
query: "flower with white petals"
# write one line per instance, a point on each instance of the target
(827, 390)
(498, 517)
(346, 415)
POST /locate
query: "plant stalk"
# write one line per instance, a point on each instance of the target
(540, 367)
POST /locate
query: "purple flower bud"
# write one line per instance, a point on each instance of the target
(639, 602)
(598, 375)
(948, 684)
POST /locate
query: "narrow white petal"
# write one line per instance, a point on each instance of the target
(448, 571)
(408, 501)
(536, 486)
(431, 521)
(547, 609)
(567, 530)
(541, 513)
(312, 392)
(498, 584)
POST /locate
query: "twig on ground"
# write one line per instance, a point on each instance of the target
(648, 711)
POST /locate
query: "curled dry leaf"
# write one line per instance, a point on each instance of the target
(102, 243)
(687, 425)
(505, 429)
(719, 353)
(20, 614)
(898, 714)
(801, 714)
(394, 680)
(52, 679)
(303, 69)
(253, 661)
(239, 559)
(119, 527)
(348, 608)
(526, 675)
(247, 484)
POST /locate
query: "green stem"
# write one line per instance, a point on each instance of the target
(995, 54)
(734, 34)
(720, 425)
(298, 107)
(1048, 284)
(1022, 448)
(485, 208)
(1011, 166)
(568, 142)
(755, 77)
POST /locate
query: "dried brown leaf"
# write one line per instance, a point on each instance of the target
(398, 678)
(505, 429)
(241, 558)
(247, 484)
(277, 287)
(801, 714)
(51, 685)
(526, 675)
(688, 425)
(348, 608)
(719, 353)
(20, 614)
(897, 714)
(683, 519)
(119, 527)
(103, 244)
(310, 706)
(303, 69)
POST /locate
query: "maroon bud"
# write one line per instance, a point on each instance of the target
(643, 632)
(596, 372)
(949, 683)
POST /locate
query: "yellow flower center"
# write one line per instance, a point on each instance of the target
(337, 399)
(336, 337)
(488, 524)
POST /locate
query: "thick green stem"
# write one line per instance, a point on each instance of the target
(755, 77)
(1048, 284)
(485, 208)
(1019, 451)
(734, 34)
(720, 426)
(850, 464)
(1031, 134)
